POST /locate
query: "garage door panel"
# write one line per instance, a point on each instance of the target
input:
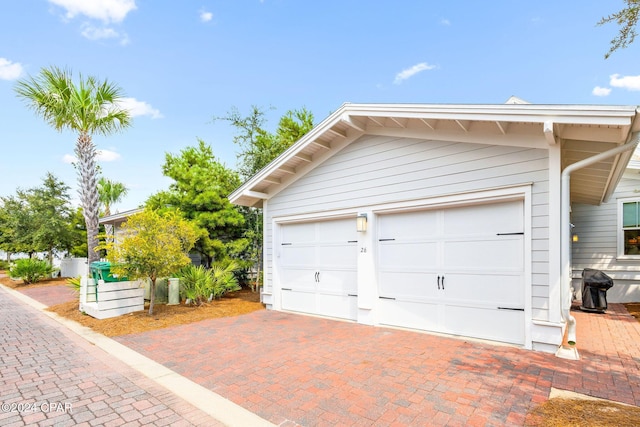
(478, 250)
(409, 285)
(297, 278)
(410, 314)
(318, 268)
(490, 290)
(501, 254)
(484, 219)
(298, 256)
(407, 225)
(338, 255)
(340, 306)
(340, 230)
(299, 301)
(492, 324)
(403, 255)
(298, 233)
(337, 282)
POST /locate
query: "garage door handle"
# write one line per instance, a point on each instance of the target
(511, 234)
(510, 308)
(385, 240)
(438, 282)
(286, 289)
(352, 295)
(443, 283)
(388, 298)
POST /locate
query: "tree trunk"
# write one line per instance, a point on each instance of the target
(152, 295)
(86, 154)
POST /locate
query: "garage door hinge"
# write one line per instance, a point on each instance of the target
(385, 240)
(510, 308)
(511, 234)
(388, 298)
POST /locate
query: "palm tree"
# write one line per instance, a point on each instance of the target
(110, 192)
(87, 108)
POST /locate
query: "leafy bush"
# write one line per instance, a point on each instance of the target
(195, 283)
(198, 285)
(31, 270)
(4, 265)
(224, 279)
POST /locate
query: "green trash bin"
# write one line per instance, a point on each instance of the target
(101, 270)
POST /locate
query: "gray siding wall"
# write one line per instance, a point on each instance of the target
(597, 228)
(376, 170)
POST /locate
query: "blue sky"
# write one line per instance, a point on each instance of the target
(182, 63)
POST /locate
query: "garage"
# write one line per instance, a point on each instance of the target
(319, 267)
(458, 270)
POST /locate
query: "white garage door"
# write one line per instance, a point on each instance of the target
(458, 270)
(318, 268)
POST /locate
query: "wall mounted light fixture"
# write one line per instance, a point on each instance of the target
(361, 223)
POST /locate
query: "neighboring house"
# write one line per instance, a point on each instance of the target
(115, 221)
(445, 218)
(608, 238)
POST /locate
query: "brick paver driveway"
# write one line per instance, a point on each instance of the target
(51, 377)
(296, 369)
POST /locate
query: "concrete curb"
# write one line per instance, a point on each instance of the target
(211, 403)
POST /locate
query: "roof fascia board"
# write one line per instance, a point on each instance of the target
(119, 216)
(308, 138)
(527, 141)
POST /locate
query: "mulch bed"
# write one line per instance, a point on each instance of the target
(164, 316)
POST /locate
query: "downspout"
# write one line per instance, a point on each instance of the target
(565, 236)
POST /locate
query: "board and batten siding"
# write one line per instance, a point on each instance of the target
(375, 170)
(597, 245)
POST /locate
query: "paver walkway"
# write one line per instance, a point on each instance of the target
(50, 295)
(51, 377)
(294, 369)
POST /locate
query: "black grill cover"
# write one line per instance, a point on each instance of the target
(596, 278)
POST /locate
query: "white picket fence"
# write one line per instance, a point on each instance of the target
(110, 299)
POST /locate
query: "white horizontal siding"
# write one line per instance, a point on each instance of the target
(378, 170)
(597, 230)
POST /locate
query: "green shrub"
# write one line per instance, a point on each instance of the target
(224, 279)
(195, 283)
(31, 270)
(198, 285)
(4, 265)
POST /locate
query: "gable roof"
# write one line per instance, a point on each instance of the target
(582, 131)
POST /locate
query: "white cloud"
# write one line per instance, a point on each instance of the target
(601, 91)
(139, 108)
(625, 82)
(445, 22)
(9, 70)
(107, 155)
(101, 156)
(412, 71)
(104, 10)
(206, 16)
(94, 33)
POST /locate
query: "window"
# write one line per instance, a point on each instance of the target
(629, 236)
